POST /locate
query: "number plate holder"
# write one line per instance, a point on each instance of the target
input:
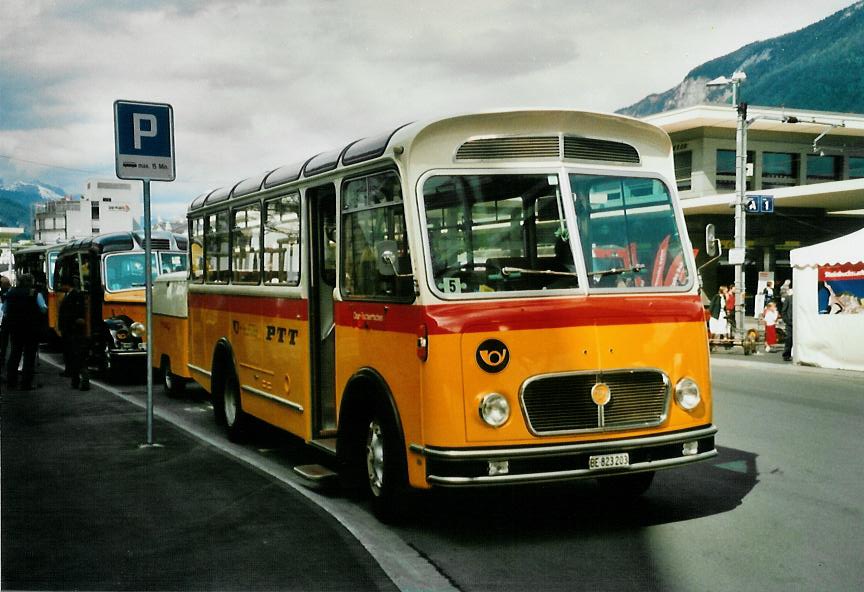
(609, 461)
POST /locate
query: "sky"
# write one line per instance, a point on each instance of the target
(259, 84)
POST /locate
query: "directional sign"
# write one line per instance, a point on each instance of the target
(759, 204)
(144, 134)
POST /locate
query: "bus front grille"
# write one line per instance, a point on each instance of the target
(561, 403)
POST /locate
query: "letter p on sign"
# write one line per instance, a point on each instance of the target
(138, 132)
(144, 134)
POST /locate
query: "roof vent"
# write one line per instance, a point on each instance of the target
(604, 150)
(513, 147)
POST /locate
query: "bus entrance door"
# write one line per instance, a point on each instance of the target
(322, 207)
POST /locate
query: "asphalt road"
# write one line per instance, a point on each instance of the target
(779, 509)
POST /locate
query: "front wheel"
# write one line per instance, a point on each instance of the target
(385, 467)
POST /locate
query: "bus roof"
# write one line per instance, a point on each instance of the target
(126, 241)
(594, 143)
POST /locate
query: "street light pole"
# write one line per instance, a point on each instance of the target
(740, 194)
(740, 213)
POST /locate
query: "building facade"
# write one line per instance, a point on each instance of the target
(107, 205)
(811, 163)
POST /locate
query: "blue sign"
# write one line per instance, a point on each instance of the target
(759, 204)
(144, 134)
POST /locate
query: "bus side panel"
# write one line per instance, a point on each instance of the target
(383, 337)
(207, 324)
(269, 337)
(53, 302)
(171, 339)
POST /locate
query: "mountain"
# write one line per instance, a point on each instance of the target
(17, 199)
(820, 67)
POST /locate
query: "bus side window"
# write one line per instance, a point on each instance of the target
(372, 212)
(282, 240)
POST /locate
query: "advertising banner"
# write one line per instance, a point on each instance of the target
(841, 289)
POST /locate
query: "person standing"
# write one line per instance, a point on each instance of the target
(23, 314)
(72, 323)
(5, 286)
(730, 310)
(770, 315)
(717, 308)
(786, 314)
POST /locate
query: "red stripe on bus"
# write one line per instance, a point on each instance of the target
(522, 314)
(281, 308)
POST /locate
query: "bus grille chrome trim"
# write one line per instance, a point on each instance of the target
(555, 404)
(594, 149)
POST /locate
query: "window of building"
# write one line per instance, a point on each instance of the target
(780, 169)
(824, 168)
(373, 220)
(94, 211)
(282, 240)
(216, 245)
(684, 169)
(725, 170)
(856, 167)
(246, 245)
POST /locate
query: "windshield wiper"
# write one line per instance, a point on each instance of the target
(505, 271)
(617, 271)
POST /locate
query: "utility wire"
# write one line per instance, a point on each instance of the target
(50, 166)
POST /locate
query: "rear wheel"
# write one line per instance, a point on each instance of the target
(228, 409)
(172, 384)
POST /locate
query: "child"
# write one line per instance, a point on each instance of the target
(770, 315)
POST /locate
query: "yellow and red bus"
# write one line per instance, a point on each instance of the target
(494, 298)
(38, 261)
(111, 271)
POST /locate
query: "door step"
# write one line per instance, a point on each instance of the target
(328, 445)
(317, 475)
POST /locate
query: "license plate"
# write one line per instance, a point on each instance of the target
(609, 461)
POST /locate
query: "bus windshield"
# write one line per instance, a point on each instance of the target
(497, 233)
(628, 232)
(126, 271)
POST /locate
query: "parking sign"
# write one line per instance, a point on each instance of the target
(144, 141)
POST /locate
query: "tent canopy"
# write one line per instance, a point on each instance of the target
(845, 249)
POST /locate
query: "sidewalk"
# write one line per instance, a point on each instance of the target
(84, 506)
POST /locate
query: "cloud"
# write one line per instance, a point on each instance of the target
(256, 85)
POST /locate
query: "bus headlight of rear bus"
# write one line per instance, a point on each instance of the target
(494, 409)
(138, 330)
(687, 394)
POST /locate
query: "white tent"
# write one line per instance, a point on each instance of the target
(828, 298)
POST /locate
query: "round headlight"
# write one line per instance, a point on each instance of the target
(138, 329)
(687, 394)
(494, 409)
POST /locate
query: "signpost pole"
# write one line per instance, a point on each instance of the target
(148, 289)
(144, 150)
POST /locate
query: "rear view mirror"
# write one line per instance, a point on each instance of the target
(388, 264)
(710, 240)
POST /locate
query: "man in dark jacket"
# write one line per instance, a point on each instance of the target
(71, 320)
(786, 315)
(24, 318)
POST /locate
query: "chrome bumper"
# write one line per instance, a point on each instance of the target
(562, 462)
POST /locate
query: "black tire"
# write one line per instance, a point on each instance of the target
(172, 384)
(228, 409)
(626, 486)
(384, 465)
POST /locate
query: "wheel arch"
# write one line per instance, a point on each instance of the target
(364, 390)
